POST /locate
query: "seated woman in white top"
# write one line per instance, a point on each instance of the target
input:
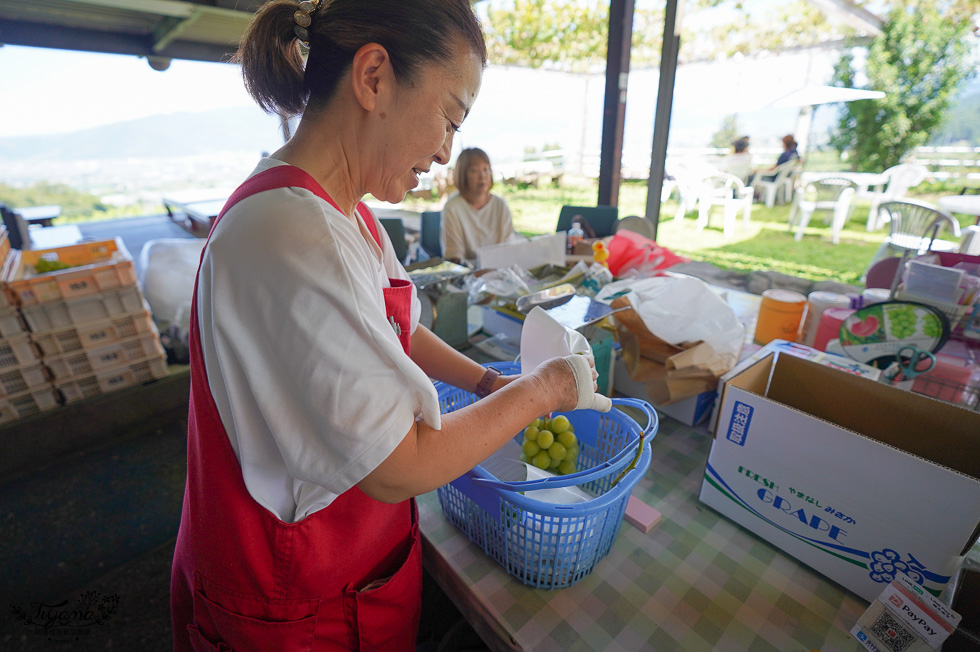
(473, 218)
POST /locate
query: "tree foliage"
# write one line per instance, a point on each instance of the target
(919, 61)
(572, 34)
(727, 133)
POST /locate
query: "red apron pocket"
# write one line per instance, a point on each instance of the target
(230, 620)
(201, 644)
(386, 616)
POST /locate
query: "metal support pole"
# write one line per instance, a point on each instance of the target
(614, 105)
(665, 100)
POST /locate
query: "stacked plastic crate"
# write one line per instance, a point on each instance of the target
(86, 316)
(24, 388)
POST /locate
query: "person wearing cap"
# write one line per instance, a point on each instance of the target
(788, 154)
(313, 420)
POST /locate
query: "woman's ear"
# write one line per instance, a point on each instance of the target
(371, 75)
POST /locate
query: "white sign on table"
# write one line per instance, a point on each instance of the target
(542, 250)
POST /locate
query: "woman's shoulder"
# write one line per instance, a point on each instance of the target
(454, 200)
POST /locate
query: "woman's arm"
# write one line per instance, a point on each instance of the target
(442, 362)
(426, 458)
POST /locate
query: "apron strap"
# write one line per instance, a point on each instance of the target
(290, 176)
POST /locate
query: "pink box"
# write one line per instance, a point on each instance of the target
(948, 381)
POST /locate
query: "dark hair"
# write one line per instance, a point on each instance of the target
(789, 142)
(741, 144)
(463, 161)
(414, 32)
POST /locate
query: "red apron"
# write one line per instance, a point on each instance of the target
(348, 577)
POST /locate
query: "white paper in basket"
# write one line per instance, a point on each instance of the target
(506, 465)
(543, 338)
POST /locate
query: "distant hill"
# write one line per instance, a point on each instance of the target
(962, 123)
(176, 134)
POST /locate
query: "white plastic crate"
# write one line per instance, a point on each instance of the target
(27, 403)
(16, 352)
(14, 381)
(92, 267)
(10, 322)
(94, 334)
(84, 362)
(110, 380)
(63, 314)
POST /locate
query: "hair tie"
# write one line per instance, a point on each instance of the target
(303, 17)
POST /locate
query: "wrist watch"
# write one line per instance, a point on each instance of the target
(485, 386)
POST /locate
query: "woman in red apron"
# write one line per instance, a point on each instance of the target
(312, 419)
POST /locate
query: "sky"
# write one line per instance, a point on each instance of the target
(50, 91)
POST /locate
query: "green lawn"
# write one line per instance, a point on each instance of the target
(766, 243)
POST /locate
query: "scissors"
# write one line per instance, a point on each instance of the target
(909, 360)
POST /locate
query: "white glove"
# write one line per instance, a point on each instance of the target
(588, 399)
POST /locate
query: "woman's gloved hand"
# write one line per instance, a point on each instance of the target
(585, 381)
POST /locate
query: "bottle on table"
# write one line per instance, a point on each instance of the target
(575, 236)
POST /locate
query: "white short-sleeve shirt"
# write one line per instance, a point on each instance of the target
(311, 383)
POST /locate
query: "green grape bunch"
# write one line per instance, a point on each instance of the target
(931, 327)
(902, 321)
(44, 266)
(551, 444)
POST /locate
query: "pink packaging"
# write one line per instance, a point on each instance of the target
(949, 381)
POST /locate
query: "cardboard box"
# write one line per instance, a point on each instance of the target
(690, 411)
(859, 480)
(839, 362)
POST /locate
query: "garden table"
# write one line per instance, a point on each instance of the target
(964, 204)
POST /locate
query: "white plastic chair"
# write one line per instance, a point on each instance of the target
(830, 194)
(687, 182)
(900, 178)
(914, 226)
(783, 180)
(727, 191)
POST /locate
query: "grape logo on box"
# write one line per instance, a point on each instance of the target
(738, 427)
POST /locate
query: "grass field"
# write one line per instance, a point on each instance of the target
(766, 243)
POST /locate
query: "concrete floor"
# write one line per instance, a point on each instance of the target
(90, 500)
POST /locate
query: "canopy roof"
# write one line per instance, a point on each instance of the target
(203, 30)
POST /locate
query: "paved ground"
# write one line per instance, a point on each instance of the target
(94, 530)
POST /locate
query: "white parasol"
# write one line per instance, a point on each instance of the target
(809, 97)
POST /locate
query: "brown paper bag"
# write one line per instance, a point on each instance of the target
(669, 373)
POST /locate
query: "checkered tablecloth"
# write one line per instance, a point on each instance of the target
(696, 582)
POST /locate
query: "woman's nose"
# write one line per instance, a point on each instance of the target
(442, 156)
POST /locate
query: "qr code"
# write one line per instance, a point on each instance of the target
(892, 633)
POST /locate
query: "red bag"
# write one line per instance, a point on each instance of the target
(629, 250)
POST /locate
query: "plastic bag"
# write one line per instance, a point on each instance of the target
(681, 310)
(509, 282)
(629, 251)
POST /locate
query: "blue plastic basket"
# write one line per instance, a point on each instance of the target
(542, 544)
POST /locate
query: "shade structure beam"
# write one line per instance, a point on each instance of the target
(665, 99)
(614, 104)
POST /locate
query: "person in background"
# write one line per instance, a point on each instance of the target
(473, 218)
(313, 420)
(789, 154)
(739, 162)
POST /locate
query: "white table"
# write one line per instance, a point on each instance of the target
(42, 215)
(870, 185)
(963, 204)
(55, 236)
